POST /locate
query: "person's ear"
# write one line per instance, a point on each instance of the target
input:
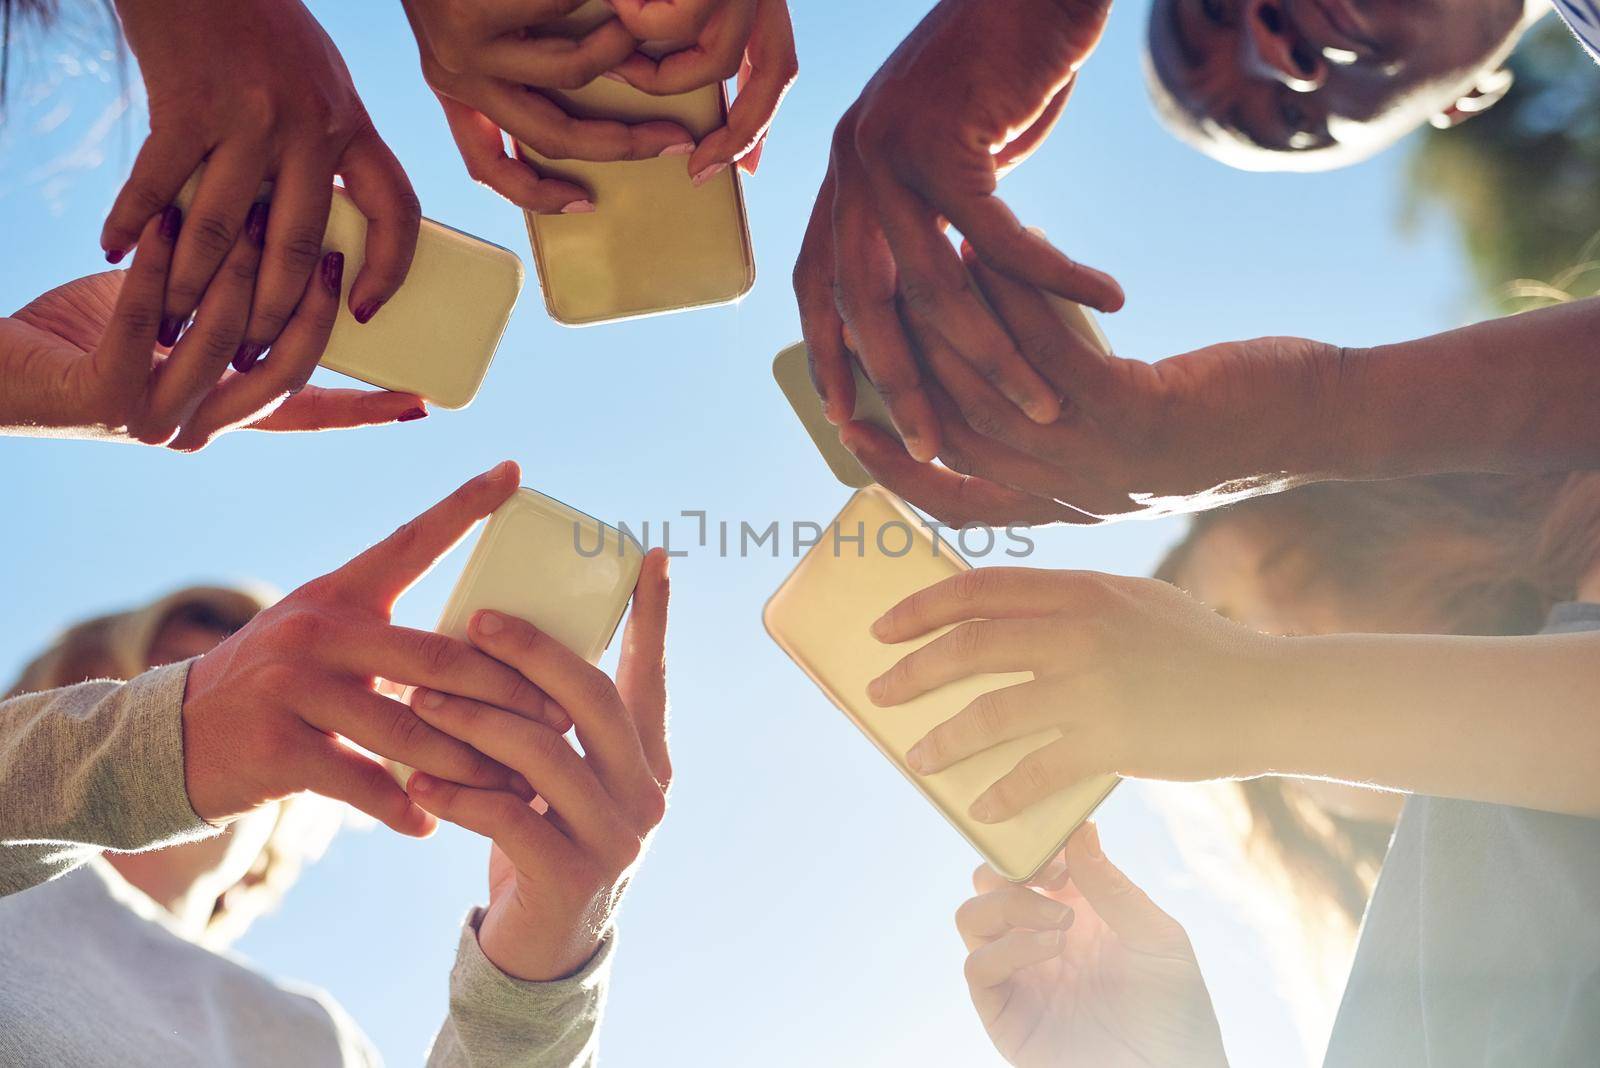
(1490, 88)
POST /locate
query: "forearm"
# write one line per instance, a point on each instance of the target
(1516, 394)
(91, 767)
(496, 1021)
(1512, 721)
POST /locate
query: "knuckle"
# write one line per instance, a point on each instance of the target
(300, 249)
(439, 655)
(967, 641)
(255, 109)
(984, 418)
(596, 689)
(986, 717)
(211, 234)
(298, 630)
(653, 808)
(145, 199)
(1031, 777)
(972, 585)
(921, 295)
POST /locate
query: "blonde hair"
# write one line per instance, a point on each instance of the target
(1458, 554)
(119, 646)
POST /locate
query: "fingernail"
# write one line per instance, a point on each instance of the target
(982, 810)
(115, 255)
(684, 149)
(917, 758)
(431, 700)
(171, 222)
(247, 356)
(880, 627)
(614, 76)
(1041, 410)
(255, 224)
(411, 415)
(333, 281)
(171, 330)
(578, 207)
(1056, 911)
(1092, 840)
(1067, 920)
(490, 623)
(875, 689)
(420, 782)
(1048, 939)
(708, 173)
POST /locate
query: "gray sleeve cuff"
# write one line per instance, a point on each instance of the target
(91, 767)
(497, 1021)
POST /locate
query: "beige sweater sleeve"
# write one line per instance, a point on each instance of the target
(92, 767)
(496, 1021)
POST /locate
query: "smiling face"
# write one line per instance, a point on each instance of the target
(1315, 84)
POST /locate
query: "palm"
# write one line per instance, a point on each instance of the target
(73, 317)
(1101, 1002)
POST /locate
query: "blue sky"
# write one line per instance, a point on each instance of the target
(796, 908)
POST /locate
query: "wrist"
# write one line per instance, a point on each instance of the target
(538, 953)
(1269, 727)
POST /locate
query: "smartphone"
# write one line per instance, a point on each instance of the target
(540, 560)
(877, 552)
(793, 375)
(655, 243)
(438, 334)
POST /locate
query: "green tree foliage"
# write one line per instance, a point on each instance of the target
(1522, 180)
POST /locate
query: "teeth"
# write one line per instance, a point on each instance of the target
(1342, 57)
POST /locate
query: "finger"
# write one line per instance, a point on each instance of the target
(122, 360)
(212, 228)
(544, 126)
(984, 407)
(1005, 244)
(388, 728)
(991, 915)
(319, 408)
(165, 162)
(990, 719)
(820, 324)
(1023, 145)
(555, 61)
(378, 187)
(956, 499)
(977, 647)
(184, 379)
(385, 571)
(771, 69)
(1041, 774)
(1073, 363)
(981, 593)
(337, 771)
(666, 20)
(642, 667)
(713, 56)
(996, 963)
(542, 756)
(262, 385)
(936, 288)
(482, 144)
(1126, 909)
(301, 196)
(424, 658)
(527, 838)
(605, 728)
(865, 292)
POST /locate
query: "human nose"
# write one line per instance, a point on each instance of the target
(1274, 49)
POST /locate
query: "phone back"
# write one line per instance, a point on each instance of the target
(437, 335)
(820, 617)
(655, 243)
(540, 560)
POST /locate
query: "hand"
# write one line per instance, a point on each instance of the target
(976, 86)
(1087, 971)
(1135, 440)
(560, 863)
(83, 359)
(256, 90)
(486, 63)
(752, 39)
(267, 713)
(1140, 679)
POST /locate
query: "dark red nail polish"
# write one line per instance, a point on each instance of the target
(115, 255)
(411, 415)
(255, 224)
(171, 330)
(365, 313)
(171, 222)
(333, 272)
(247, 356)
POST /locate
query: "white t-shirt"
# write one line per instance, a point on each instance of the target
(1584, 18)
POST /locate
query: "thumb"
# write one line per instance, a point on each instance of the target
(1126, 909)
